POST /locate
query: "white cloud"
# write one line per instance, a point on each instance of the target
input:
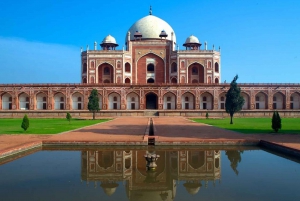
(24, 61)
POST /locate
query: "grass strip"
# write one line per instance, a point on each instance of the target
(254, 125)
(44, 126)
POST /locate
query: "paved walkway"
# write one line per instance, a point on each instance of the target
(131, 130)
(180, 129)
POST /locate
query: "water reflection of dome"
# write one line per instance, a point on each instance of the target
(192, 188)
(109, 188)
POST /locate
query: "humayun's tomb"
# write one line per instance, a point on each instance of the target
(151, 75)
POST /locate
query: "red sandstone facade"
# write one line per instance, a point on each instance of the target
(150, 73)
(119, 96)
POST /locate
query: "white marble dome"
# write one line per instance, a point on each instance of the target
(150, 27)
(192, 39)
(109, 39)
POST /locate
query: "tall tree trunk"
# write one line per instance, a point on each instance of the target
(231, 115)
(93, 115)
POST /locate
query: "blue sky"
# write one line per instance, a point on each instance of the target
(40, 40)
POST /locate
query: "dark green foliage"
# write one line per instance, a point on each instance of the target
(93, 104)
(69, 117)
(206, 115)
(276, 121)
(234, 101)
(235, 158)
(25, 122)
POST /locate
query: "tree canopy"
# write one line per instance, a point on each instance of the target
(93, 104)
(234, 100)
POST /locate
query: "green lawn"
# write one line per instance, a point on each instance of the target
(254, 125)
(44, 126)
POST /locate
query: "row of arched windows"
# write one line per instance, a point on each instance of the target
(106, 71)
(59, 101)
(169, 99)
(182, 65)
(150, 68)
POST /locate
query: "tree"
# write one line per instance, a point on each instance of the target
(234, 101)
(25, 122)
(69, 117)
(93, 104)
(276, 121)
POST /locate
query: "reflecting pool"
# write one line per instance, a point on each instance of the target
(116, 173)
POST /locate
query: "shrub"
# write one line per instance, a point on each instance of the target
(69, 117)
(25, 123)
(276, 121)
(206, 115)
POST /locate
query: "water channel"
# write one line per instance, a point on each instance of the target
(121, 173)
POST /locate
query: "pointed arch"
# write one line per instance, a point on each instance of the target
(169, 99)
(151, 100)
(105, 73)
(261, 100)
(182, 64)
(196, 73)
(41, 101)
(278, 101)
(24, 101)
(150, 80)
(196, 159)
(127, 67)
(295, 101)
(152, 66)
(209, 64)
(77, 101)
(222, 99)
(127, 81)
(188, 101)
(7, 101)
(173, 80)
(182, 80)
(59, 101)
(133, 101)
(114, 100)
(246, 97)
(216, 67)
(206, 101)
(174, 68)
(209, 80)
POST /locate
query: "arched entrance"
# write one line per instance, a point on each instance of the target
(151, 101)
(196, 73)
(105, 73)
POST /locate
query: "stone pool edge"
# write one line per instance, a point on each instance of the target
(25, 149)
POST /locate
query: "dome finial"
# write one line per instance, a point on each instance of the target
(150, 12)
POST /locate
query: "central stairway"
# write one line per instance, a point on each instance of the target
(151, 113)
